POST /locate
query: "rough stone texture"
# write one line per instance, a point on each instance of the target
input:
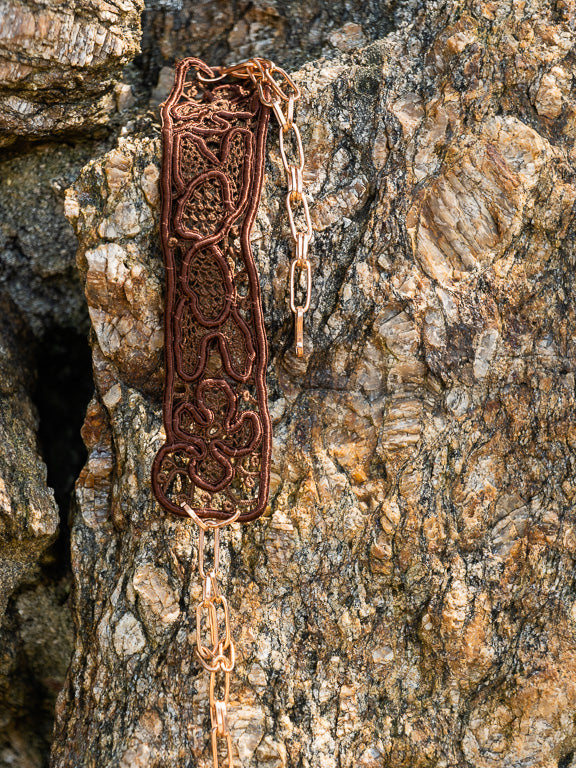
(37, 643)
(38, 245)
(288, 31)
(59, 63)
(28, 514)
(28, 525)
(61, 67)
(408, 600)
(45, 375)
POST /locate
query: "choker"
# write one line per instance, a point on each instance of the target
(214, 467)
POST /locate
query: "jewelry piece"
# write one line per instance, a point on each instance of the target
(218, 435)
(261, 73)
(215, 464)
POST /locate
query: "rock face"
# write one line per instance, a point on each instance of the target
(38, 269)
(45, 374)
(60, 84)
(59, 62)
(288, 31)
(29, 520)
(408, 599)
(28, 512)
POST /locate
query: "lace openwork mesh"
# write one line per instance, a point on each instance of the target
(218, 435)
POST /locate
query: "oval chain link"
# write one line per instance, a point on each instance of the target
(218, 654)
(215, 649)
(280, 92)
(283, 107)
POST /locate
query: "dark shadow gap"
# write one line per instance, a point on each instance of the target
(63, 390)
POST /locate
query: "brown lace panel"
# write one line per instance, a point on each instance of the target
(216, 457)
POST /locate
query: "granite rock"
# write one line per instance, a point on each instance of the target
(407, 600)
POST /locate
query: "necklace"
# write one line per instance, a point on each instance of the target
(215, 465)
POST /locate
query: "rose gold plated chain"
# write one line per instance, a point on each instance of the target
(280, 92)
(215, 648)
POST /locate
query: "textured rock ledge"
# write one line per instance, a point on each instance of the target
(58, 63)
(408, 601)
(28, 515)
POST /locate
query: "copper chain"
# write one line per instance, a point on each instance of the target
(282, 93)
(215, 648)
